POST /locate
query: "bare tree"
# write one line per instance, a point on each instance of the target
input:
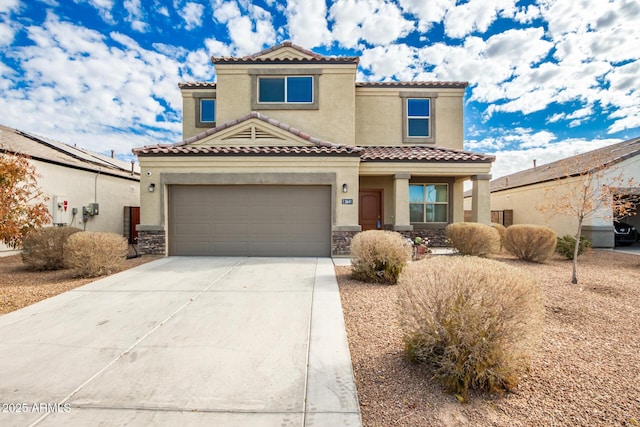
(587, 187)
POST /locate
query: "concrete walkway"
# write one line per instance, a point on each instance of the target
(184, 341)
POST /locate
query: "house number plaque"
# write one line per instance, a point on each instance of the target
(347, 201)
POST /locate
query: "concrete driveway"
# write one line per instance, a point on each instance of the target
(184, 341)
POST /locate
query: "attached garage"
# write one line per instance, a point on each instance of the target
(250, 220)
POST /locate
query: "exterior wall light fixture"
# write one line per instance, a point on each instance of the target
(151, 188)
(345, 187)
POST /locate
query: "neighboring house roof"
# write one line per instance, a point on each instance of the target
(54, 152)
(581, 163)
(300, 56)
(317, 147)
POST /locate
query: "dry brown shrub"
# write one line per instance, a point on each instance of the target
(474, 321)
(92, 254)
(472, 238)
(529, 242)
(502, 230)
(379, 256)
(44, 249)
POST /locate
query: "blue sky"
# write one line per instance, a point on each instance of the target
(547, 78)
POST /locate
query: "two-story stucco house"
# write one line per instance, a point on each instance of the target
(287, 155)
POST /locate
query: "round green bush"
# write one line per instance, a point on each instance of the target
(44, 248)
(566, 246)
(472, 238)
(532, 243)
(379, 256)
(474, 321)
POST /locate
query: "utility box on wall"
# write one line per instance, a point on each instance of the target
(61, 210)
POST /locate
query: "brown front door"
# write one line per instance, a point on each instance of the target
(370, 215)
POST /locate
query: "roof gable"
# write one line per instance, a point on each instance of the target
(286, 52)
(251, 134)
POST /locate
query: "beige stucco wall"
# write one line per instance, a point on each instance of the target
(286, 170)
(189, 110)
(83, 187)
(332, 121)
(524, 200)
(379, 116)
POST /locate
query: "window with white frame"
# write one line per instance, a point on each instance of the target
(286, 90)
(429, 203)
(418, 117)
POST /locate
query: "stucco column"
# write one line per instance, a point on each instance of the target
(481, 199)
(401, 203)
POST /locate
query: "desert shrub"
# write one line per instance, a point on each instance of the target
(533, 243)
(379, 256)
(473, 321)
(92, 254)
(472, 238)
(566, 245)
(502, 230)
(44, 249)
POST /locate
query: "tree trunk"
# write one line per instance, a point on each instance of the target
(574, 276)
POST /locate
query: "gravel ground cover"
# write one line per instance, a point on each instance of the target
(20, 287)
(585, 373)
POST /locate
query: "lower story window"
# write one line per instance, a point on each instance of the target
(428, 202)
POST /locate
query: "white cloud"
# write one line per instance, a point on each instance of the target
(7, 6)
(192, 15)
(474, 15)
(307, 23)
(249, 29)
(390, 61)
(135, 15)
(376, 22)
(511, 161)
(104, 8)
(7, 34)
(78, 85)
(427, 12)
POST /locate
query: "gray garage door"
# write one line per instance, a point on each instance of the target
(249, 220)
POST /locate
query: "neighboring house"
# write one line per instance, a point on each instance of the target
(518, 195)
(286, 154)
(86, 190)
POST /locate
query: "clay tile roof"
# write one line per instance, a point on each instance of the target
(191, 150)
(432, 85)
(318, 146)
(422, 154)
(197, 85)
(312, 57)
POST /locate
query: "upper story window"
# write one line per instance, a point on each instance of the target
(205, 109)
(288, 89)
(418, 117)
(285, 88)
(428, 203)
(208, 110)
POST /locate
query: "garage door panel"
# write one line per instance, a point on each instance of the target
(229, 230)
(193, 229)
(250, 220)
(229, 248)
